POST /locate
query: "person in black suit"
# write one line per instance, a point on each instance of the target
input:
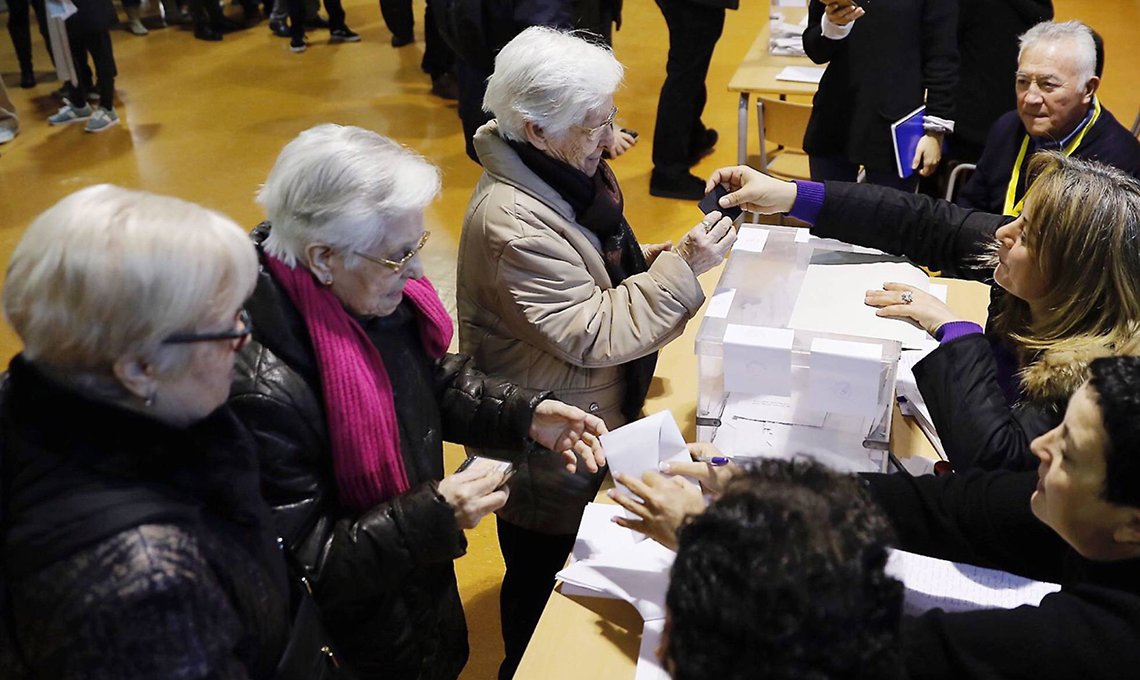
(987, 44)
(882, 56)
(680, 139)
(1057, 109)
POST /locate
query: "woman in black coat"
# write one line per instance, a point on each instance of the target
(378, 547)
(136, 543)
(1067, 275)
(885, 58)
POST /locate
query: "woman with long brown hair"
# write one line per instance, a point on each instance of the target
(1067, 275)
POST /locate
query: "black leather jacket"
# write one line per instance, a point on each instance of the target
(384, 579)
(132, 549)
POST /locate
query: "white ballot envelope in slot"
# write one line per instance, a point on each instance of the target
(844, 376)
(758, 360)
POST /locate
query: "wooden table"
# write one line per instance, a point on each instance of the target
(757, 75)
(597, 638)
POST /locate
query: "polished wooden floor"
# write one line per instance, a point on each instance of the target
(204, 121)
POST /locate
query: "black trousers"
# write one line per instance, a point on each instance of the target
(298, 14)
(20, 29)
(472, 86)
(401, 21)
(532, 560)
(693, 32)
(98, 45)
(842, 170)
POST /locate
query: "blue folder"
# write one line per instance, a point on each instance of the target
(905, 133)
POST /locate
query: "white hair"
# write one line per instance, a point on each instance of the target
(551, 78)
(109, 273)
(1077, 34)
(338, 185)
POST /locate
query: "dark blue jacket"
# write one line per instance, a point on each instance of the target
(1108, 142)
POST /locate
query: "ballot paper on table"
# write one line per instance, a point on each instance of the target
(831, 300)
(932, 583)
(648, 665)
(597, 533)
(911, 402)
(638, 575)
(801, 74)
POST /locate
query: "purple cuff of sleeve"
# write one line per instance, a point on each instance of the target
(809, 201)
(953, 330)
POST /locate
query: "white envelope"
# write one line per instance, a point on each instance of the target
(642, 446)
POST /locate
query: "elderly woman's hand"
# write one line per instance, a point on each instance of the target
(752, 190)
(622, 141)
(664, 505)
(570, 431)
(706, 244)
(474, 493)
(713, 478)
(652, 250)
(924, 310)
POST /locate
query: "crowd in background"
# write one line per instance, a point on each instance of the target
(250, 480)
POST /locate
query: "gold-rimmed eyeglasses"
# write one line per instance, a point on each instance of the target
(397, 265)
(595, 132)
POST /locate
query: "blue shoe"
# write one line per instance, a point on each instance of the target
(102, 119)
(69, 113)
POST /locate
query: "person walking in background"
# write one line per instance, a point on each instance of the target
(89, 33)
(19, 28)
(883, 62)
(680, 139)
(987, 47)
(9, 121)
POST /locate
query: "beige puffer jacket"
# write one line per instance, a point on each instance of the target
(536, 306)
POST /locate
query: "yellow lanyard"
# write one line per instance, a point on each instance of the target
(1014, 209)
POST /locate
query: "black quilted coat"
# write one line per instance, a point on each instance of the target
(132, 549)
(384, 579)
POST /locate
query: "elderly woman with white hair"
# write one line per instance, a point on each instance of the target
(554, 290)
(136, 543)
(349, 389)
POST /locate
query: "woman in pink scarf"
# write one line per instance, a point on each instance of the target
(349, 390)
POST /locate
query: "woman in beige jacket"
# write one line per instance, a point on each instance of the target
(554, 290)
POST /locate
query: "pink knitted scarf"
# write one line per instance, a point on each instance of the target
(363, 431)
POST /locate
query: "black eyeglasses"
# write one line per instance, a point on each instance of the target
(239, 336)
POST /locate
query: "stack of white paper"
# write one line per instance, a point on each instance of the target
(801, 74)
(932, 583)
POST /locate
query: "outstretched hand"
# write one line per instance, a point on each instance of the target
(571, 432)
(752, 190)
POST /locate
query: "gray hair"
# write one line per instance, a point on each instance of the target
(550, 78)
(108, 273)
(338, 185)
(1075, 32)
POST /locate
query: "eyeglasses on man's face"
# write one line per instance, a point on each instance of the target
(238, 337)
(597, 131)
(397, 265)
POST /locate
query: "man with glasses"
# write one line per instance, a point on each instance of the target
(1057, 109)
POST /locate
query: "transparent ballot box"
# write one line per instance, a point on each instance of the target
(778, 378)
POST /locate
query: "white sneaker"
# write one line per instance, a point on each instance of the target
(135, 26)
(69, 113)
(7, 135)
(102, 119)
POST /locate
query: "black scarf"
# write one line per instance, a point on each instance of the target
(599, 207)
